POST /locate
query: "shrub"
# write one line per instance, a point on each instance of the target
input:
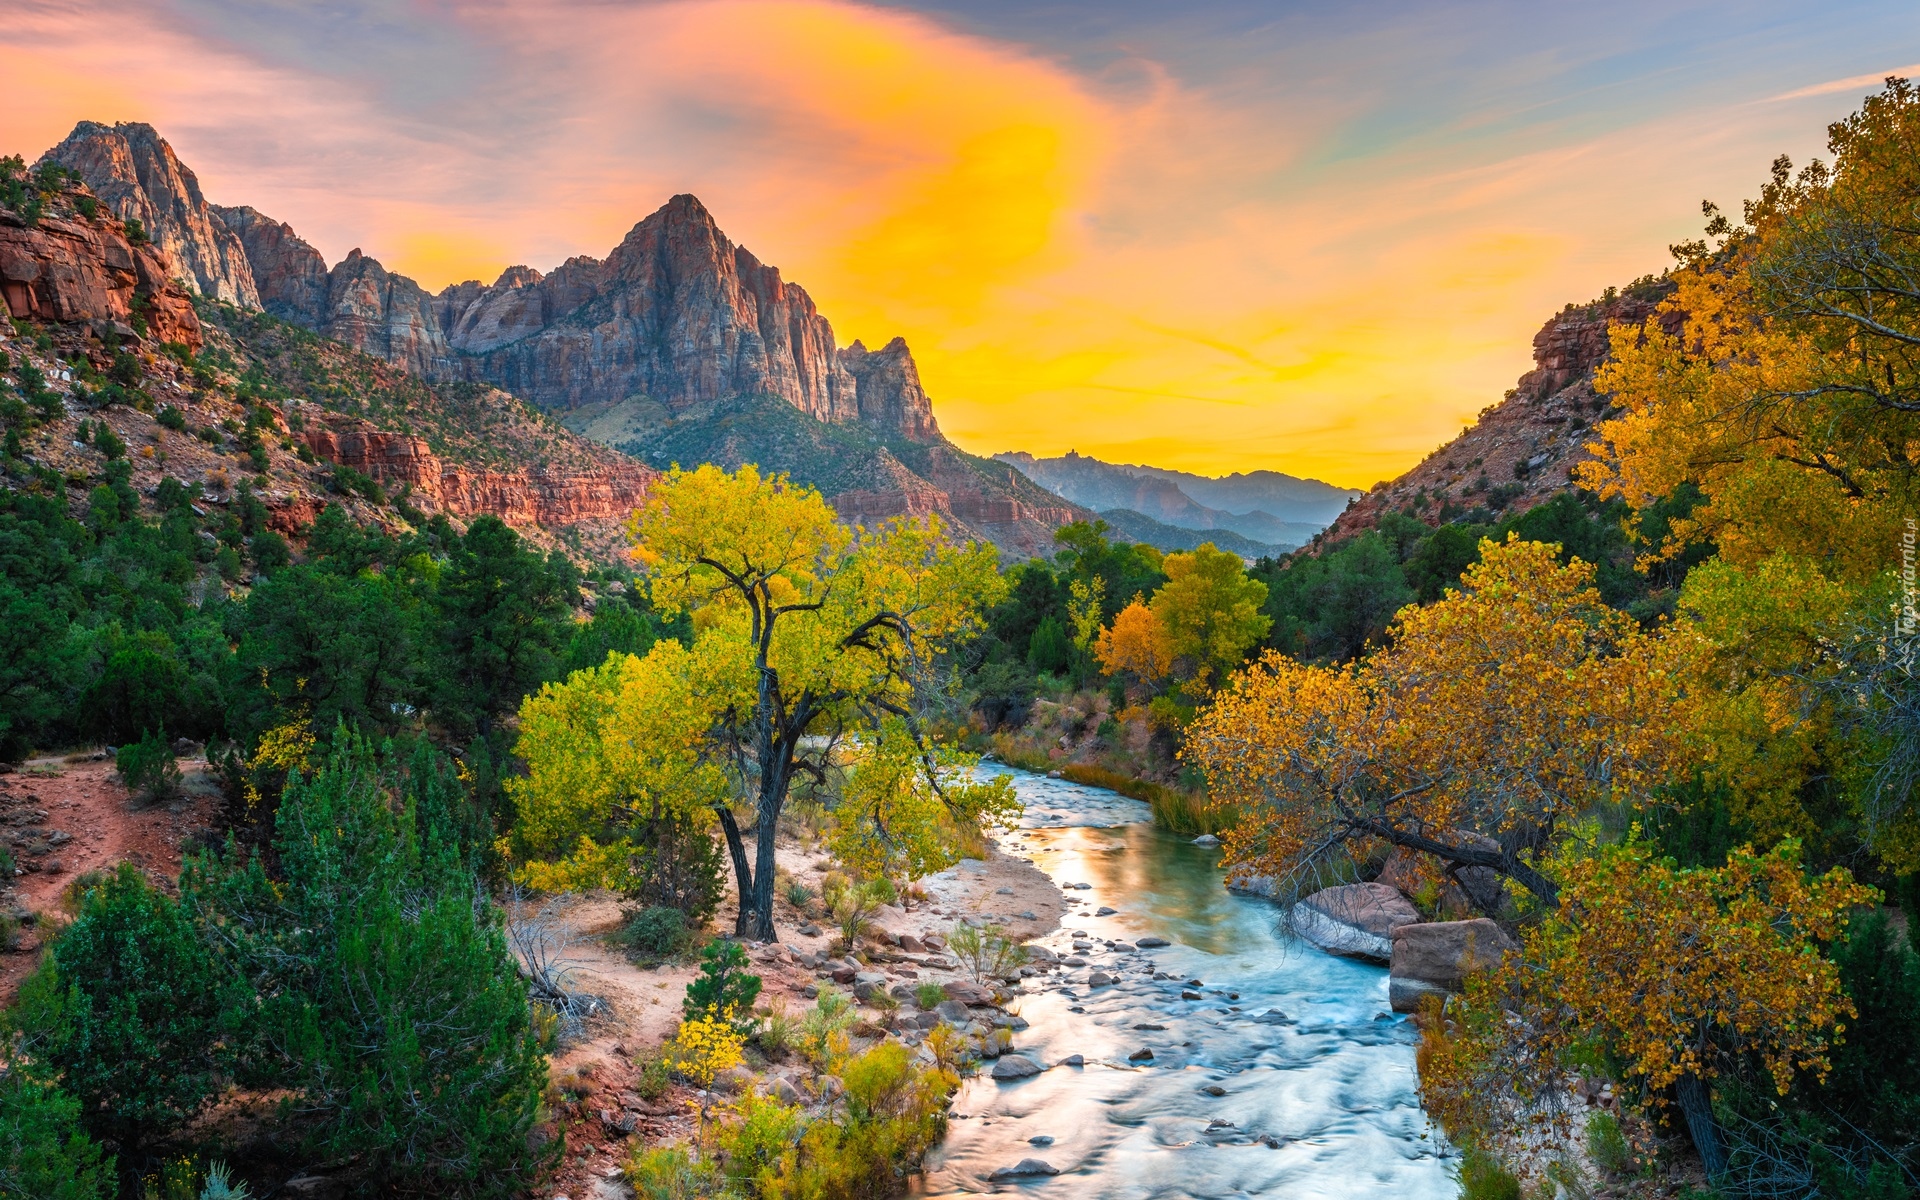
(670, 1173)
(779, 1029)
(45, 1154)
(148, 766)
(172, 418)
(799, 894)
(894, 1114)
(136, 232)
(106, 441)
(270, 551)
(705, 1046)
(125, 1008)
(655, 934)
(389, 1002)
(853, 904)
(986, 951)
(823, 1037)
(928, 995)
(1607, 1145)
(1483, 1178)
(724, 989)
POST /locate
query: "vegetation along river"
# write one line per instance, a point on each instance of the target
(1276, 1070)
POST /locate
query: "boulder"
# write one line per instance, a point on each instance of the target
(1477, 889)
(1206, 839)
(967, 992)
(867, 984)
(1354, 919)
(1026, 1168)
(782, 1089)
(1435, 957)
(1100, 979)
(912, 944)
(1152, 942)
(952, 1011)
(1015, 1066)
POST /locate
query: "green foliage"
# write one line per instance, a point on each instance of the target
(928, 995)
(986, 951)
(656, 934)
(798, 894)
(616, 626)
(172, 418)
(1050, 650)
(724, 989)
(671, 1173)
(127, 1009)
(107, 442)
(1483, 1178)
(136, 232)
(148, 767)
(383, 996)
(45, 1153)
(501, 611)
(1333, 606)
(1607, 1144)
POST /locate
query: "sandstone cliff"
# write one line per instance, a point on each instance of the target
(135, 173)
(67, 269)
(292, 281)
(1521, 451)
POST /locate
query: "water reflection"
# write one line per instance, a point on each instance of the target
(1274, 1070)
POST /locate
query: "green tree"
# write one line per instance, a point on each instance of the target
(1050, 650)
(1210, 611)
(385, 996)
(501, 610)
(126, 1008)
(45, 1153)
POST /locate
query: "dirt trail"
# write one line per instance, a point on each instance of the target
(60, 819)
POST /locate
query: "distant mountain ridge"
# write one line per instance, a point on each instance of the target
(636, 349)
(1268, 509)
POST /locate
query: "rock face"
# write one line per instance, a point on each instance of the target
(133, 170)
(292, 281)
(1522, 451)
(1355, 919)
(1436, 957)
(887, 389)
(534, 496)
(75, 271)
(386, 315)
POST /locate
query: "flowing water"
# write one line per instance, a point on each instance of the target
(1314, 1074)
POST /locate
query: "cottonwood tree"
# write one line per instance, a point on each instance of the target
(808, 636)
(1495, 718)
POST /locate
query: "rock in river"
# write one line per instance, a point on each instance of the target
(1026, 1168)
(1015, 1066)
(1355, 919)
(1436, 957)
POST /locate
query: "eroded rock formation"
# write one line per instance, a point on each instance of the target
(292, 281)
(76, 271)
(133, 170)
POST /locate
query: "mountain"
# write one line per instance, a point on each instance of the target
(1265, 507)
(1138, 527)
(666, 347)
(93, 299)
(1521, 451)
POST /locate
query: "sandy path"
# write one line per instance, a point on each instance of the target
(61, 819)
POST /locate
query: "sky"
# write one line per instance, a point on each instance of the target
(1214, 235)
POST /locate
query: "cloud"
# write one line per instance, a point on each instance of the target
(1316, 240)
(1852, 83)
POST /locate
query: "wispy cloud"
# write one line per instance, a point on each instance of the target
(1852, 83)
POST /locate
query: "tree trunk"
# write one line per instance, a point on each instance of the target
(760, 926)
(742, 873)
(1696, 1105)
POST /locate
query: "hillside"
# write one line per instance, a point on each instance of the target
(637, 349)
(220, 399)
(1265, 508)
(1521, 451)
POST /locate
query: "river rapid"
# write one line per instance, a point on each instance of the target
(1276, 1070)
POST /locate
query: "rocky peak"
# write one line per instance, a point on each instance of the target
(887, 388)
(290, 275)
(1521, 451)
(133, 170)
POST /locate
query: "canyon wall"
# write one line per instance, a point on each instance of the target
(71, 270)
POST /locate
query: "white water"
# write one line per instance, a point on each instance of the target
(1322, 1106)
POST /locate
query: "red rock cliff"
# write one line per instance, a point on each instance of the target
(75, 271)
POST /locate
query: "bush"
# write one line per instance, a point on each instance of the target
(1483, 1178)
(107, 442)
(823, 1036)
(656, 934)
(724, 989)
(148, 766)
(799, 894)
(270, 551)
(1607, 1145)
(44, 1152)
(389, 1004)
(779, 1030)
(670, 1173)
(125, 1008)
(929, 995)
(172, 418)
(986, 951)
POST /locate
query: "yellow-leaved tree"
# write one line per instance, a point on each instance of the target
(1492, 721)
(1210, 609)
(809, 638)
(1781, 379)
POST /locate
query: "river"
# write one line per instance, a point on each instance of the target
(1276, 1070)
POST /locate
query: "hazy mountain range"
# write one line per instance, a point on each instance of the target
(1255, 512)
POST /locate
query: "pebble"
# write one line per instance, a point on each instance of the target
(1141, 1055)
(1026, 1168)
(1099, 979)
(1104, 911)
(1074, 1060)
(1040, 1139)
(1003, 891)
(1153, 940)
(1214, 1089)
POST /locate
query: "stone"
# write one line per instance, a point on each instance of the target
(1206, 839)
(1026, 1168)
(314, 1187)
(912, 944)
(1150, 1026)
(1152, 941)
(1189, 994)
(809, 930)
(1353, 919)
(968, 992)
(1435, 957)
(1273, 1016)
(618, 1124)
(1214, 1089)
(1100, 979)
(1027, 915)
(1478, 890)
(952, 1011)
(1074, 1060)
(1005, 891)
(1141, 1055)
(782, 1089)
(1015, 1066)
(842, 973)
(1040, 1139)
(72, 272)
(1104, 911)
(732, 1079)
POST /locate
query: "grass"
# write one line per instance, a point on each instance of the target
(1174, 809)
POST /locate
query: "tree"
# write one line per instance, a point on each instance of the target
(1050, 651)
(378, 990)
(1138, 645)
(126, 1008)
(1494, 719)
(1334, 606)
(823, 633)
(905, 808)
(45, 1154)
(1211, 612)
(500, 610)
(1678, 973)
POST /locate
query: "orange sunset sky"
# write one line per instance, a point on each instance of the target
(1315, 238)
